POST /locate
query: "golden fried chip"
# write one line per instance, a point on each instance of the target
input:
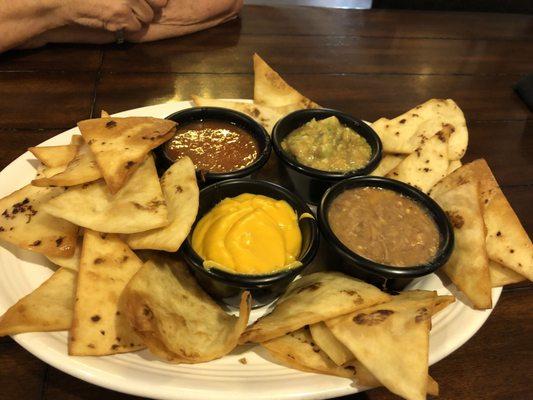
(298, 350)
(71, 262)
(137, 207)
(387, 164)
(120, 145)
(392, 341)
(311, 299)
(501, 276)
(454, 164)
(329, 344)
(25, 224)
(82, 169)
(104, 114)
(271, 90)
(176, 319)
(427, 165)
(265, 115)
(507, 241)
(442, 302)
(99, 324)
(47, 308)
(55, 156)
(410, 130)
(468, 266)
(182, 197)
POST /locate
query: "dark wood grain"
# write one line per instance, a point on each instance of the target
(16, 142)
(209, 51)
(368, 63)
(383, 23)
(21, 374)
(42, 100)
(58, 57)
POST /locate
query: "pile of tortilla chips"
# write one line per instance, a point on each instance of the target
(334, 324)
(99, 198)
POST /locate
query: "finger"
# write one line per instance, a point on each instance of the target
(157, 3)
(132, 24)
(142, 10)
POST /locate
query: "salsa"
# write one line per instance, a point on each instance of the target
(384, 226)
(213, 146)
(327, 145)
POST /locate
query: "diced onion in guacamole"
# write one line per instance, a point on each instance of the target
(327, 145)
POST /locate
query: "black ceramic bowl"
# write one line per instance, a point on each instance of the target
(228, 287)
(384, 276)
(311, 183)
(222, 114)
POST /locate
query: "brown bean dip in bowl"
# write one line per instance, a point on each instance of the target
(384, 231)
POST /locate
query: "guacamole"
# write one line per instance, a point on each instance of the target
(327, 145)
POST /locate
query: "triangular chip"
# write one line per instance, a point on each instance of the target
(104, 114)
(182, 196)
(454, 164)
(137, 207)
(427, 165)
(329, 344)
(501, 276)
(25, 224)
(72, 262)
(442, 302)
(265, 115)
(120, 145)
(82, 169)
(468, 266)
(100, 325)
(408, 131)
(387, 164)
(311, 299)
(392, 341)
(507, 241)
(47, 308)
(176, 319)
(55, 156)
(271, 90)
(298, 350)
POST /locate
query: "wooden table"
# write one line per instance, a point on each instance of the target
(367, 63)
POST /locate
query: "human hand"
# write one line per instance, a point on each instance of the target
(111, 15)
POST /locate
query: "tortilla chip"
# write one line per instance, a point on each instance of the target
(182, 198)
(311, 299)
(501, 276)
(408, 131)
(76, 140)
(392, 341)
(427, 165)
(100, 325)
(104, 114)
(82, 169)
(442, 302)
(120, 145)
(137, 207)
(387, 164)
(264, 115)
(72, 262)
(55, 156)
(271, 90)
(329, 344)
(48, 308)
(468, 266)
(176, 319)
(298, 350)
(24, 223)
(507, 241)
(454, 164)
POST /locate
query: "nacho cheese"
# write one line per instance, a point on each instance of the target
(249, 234)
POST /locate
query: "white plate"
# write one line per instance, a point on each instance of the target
(143, 375)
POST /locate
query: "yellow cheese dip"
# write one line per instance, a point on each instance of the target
(249, 234)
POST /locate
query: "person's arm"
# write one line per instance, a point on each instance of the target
(28, 23)
(22, 19)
